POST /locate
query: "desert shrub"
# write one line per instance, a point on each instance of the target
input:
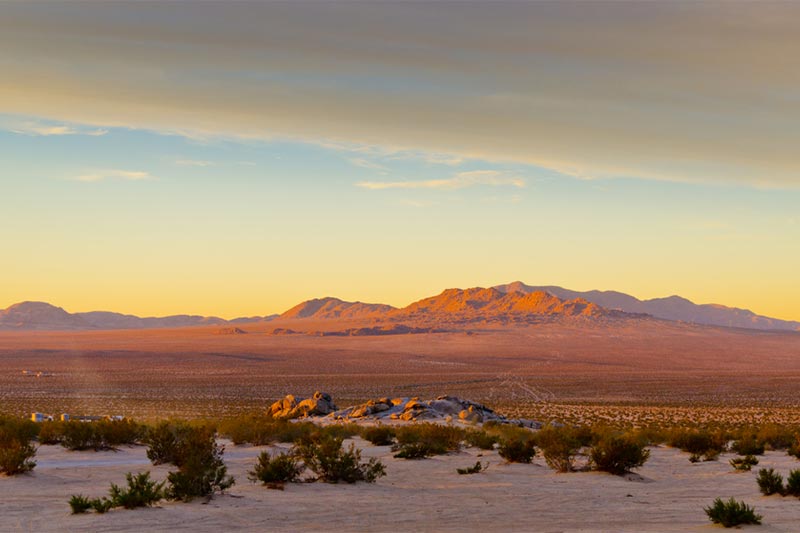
(101, 505)
(79, 504)
(16, 449)
(617, 454)
(477, 468)
(517, 450)
(378, 435)
(794, 449)
(731, 513)
(701, 444)
(99, 435)
(481, 440)
(345, 431)
(776, 437)
(325, 456)
(769, 482)
(793, 483)
(81, 436)
(559, 445)
(748, 445)
(278, 468)
(261, 430)
(201, 471)
(163, 441)
(418, 441)
(140, 492)
(51, 432)
(745, 463)
(115, 433)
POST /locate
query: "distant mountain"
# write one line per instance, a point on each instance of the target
(335, 308)
(479, 304)
(670, 308)
(44, 316)
(40, 316)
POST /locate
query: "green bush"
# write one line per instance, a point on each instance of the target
(325, 456)
(16, 450)
(477, 468)
(748, 445)
(163, 442)
(140, 492)
(481, 440)
(20, 428)
(79, 504)
(732, 513)
(559, 446)
(517, 450)
(101, 505)
(379, 435)
(793, 483)
(617, 454)
(776, 437)
(745, 463)
(99, 435)
(416, 450)
(51, 432)
(699, 443)
(261, 430)
(201, 471)
(418, 441)
(794, 449)
(345, 431)
(769, 482)
(278, 468)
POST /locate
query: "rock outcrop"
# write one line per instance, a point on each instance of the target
(320, 404)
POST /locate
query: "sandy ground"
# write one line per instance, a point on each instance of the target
(428, 495)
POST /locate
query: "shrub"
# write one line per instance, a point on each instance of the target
(101, 505)
(769, 482)
(141, 492)
(100, 435)
(776, 437)
(559, 446)
(325, 457)
(20, 428)
(379, 435)
(794, 449)
(201, 471)
(732, 513)
(793, 483)
(279, 468)
(16, 451)
(617, 454)
(79, 504)
(517, 450)
(699, 443)
(748, 445)
(345, 431)
(261, 430)
(477, 468)
(481, 439)
(163, 442)
(745, 463)
(424, 440)
(115, 433)
(51, 432)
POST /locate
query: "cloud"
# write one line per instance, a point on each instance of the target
(462, 180)
(100, 175)
(366, 163)
(193, 163)
(40, 129)
(684, 91)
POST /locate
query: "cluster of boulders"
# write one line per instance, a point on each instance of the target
(444, 408)
(320, 404)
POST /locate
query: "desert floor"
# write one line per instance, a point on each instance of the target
(668, 495)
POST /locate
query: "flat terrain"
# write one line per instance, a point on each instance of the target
(644, 370)
(668, 495)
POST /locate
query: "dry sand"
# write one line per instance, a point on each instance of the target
(427, 495)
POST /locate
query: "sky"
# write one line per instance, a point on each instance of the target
(234, 159)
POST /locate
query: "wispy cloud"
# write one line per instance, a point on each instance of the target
(100, 175)
(367, 163)
(41, 129)
(462, 180)
(193, 163)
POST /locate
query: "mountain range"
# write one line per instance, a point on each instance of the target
(514, 302)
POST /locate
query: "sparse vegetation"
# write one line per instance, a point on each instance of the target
(79, 504)
(559, 446)
(732, 513)
(748, 445)
(324, 455)
(140, 492)
(481, 440)
(769, 482)
(793, 483)
(261, 430)
(201, 471)
(99, 435)
(617, 454)
(744, 464)
(700, 443)
(418, 441)
(276, 469)
(517, 450)
(477, 468)
(379, 435)
(16, 449)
